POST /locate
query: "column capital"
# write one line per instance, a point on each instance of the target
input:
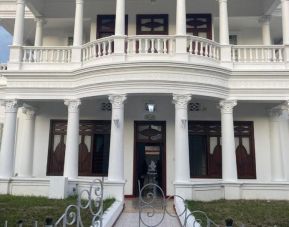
(117, 101)
(227, 106)
(11, 105)
(20, 2)
(79, 1)
(181, 101)
(40, 19)
(222, 1)
(29, 112)
(265, 19)
(73, 105)
(275, 113)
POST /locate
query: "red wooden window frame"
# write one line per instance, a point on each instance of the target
(246, 165)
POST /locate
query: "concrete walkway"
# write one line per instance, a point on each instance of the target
(130, 216)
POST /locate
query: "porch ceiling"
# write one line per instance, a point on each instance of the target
(65, 8)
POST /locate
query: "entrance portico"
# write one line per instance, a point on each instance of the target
(193, 162)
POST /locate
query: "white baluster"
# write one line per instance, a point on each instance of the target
(251, 54)
(274, 55)
(110, 47)
(206, 50)
(134, 46)
(244, 55)
(234, 54)
(190, 46)
(201, 48)
(159, 49)
(280, 55)
(171, 46)
(262, 55)
(24, 55)
(99, 50)
(146, 46)
(256, 55)
(30, 56)
(196, 47)
(165, 45)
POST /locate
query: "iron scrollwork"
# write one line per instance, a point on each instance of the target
(153, 206)
(88, 199)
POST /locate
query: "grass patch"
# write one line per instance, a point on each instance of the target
(250, 213)
(29, 209)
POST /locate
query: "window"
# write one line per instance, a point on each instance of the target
(152, 24)
(233, 39)
(106, 25)
(199, 25)
(94, 139)
(70, 41)
(206, 150)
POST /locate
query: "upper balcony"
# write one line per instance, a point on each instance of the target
(239, 34)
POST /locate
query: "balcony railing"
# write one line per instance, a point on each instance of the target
(150, 45)
(258, 54)
(203, 47)
(3, 67)
(154, 47)
(46, 54)
(97, 49)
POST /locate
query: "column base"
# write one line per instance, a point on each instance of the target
(4, 186)
(58, 188)
(232, 191)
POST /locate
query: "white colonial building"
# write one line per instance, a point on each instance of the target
(190, 94)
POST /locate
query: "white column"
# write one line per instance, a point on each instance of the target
(72, 139)
(8, 139)
(39, 31)
(181, 20)
(27, 145)
(182, 154)
(229, 164)
(19, 23)
(275, 141)
(116, 152)
(266, 33)
(78, 24)
(285, 21)
(224, 24)
(120, 18)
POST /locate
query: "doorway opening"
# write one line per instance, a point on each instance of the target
(149, 154)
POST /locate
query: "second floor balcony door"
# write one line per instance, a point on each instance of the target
(106, 25)
(199, 25)
(152, 27)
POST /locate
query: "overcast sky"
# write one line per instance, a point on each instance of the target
(5, 41)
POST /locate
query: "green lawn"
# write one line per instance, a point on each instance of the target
(250, 213)
(29, 209)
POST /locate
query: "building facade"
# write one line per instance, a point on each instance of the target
(191, 95)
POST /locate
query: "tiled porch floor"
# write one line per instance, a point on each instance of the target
(130, 216)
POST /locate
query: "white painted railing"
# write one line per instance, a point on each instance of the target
(98, 48)
(3, 67)
(203, 47)
(47, 54)
(257, 54)
(152, 44)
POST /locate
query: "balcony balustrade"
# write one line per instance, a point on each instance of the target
(258, 54)
(3, 67)
(144, 47)
(46, 54)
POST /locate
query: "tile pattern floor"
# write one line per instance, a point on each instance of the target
(130, 216)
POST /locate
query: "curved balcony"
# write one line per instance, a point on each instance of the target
(127, 49)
